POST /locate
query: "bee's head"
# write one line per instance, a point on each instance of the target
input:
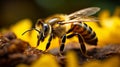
(44, 30)
(42, 27)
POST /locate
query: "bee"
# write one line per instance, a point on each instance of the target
(66, 26)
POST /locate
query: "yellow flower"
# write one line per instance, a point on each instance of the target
(20, 27)
(46, 61)
(71, 59)
(108, 33)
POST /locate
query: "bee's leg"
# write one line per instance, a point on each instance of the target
(82, 45)
(38, 42)
(63, 43)
(49, 41)
(40, 37)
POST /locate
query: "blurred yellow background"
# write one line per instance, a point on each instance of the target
(21, 15)
(12, 11)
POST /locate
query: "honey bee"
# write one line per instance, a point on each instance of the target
(66, 26)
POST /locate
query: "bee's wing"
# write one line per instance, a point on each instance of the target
(81, 19)
(87, 19)
(84, 12)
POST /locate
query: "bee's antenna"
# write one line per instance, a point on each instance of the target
(30, 30)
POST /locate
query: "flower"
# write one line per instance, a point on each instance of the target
(108, 33)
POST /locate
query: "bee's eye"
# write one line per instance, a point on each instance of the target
(45, 27)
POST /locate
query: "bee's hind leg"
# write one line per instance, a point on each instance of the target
(82, 45)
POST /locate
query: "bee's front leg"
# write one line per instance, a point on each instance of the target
(38, 42)
(49, 41)
(40, 38)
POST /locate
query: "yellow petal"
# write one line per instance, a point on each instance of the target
(46, 61)
(21, 27)
(22, 65)
(33, 38)
(92, 64)
(71, 60)
(112, 62)
(105, 14)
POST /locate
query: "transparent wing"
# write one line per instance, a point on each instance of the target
(81, 19)
(84, 12)
(87, 19)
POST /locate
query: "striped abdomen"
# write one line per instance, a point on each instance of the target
(86, 32)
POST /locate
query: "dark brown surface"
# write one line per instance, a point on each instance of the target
(14, 51)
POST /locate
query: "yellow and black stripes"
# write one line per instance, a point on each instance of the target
(85, 31)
